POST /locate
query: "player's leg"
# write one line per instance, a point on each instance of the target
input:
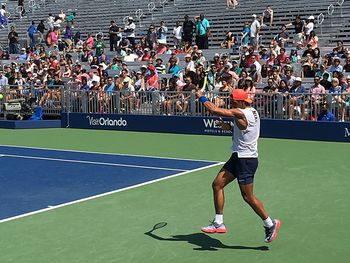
(252, 200)
(223, 178)
(246, 168)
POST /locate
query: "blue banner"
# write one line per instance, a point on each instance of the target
(284, 129)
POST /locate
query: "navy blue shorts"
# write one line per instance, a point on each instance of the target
(242, 168)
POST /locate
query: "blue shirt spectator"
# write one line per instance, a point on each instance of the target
(326, 115)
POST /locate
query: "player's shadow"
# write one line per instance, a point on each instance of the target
(203, 242)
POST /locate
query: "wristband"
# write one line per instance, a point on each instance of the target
(203, 99)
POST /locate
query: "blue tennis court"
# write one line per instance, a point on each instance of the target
(34, 180)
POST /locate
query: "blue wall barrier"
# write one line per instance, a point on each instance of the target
(284, 129)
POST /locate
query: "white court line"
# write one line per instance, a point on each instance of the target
(116, 154)
(107, 193)
(91, 162)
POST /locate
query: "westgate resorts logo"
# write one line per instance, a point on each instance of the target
(210, 126)
(107, 122)
(347, 133)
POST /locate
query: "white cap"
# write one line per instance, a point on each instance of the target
(253, 15)
(311, 17)
(130, 18)
(297, 79)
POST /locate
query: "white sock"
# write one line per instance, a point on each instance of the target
(219, 219)
(268, 222)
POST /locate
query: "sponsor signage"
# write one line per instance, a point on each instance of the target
(284, 129)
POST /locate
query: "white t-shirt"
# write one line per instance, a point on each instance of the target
(178, 32)
(308, 28)
(245, 142)
(131, 33)
(2, 12)
(254, 28)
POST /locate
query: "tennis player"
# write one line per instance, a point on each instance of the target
(243, 162)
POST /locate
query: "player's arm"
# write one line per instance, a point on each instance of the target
(239, 116)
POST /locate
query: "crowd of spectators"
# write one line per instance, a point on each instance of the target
(59, 55)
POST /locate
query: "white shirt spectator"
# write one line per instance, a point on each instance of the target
(3, 80)
(254, 28)
(178, 32)
(309, 27)
(258, 66)
(131, 57)
(131, 26)
(2, 12)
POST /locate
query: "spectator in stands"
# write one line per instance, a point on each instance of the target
(231, 4)
(336, 66)
(245, 33)
(114, 36)
(160, 67)
(13, 41)
(340, 48)
(296, 99)
(3, 16)
(346, 97)
(298, 30)
(316, 91)
(254, 74)
(50, 21)
(62, 15)
(294, 57)
(41, 27)
(288, 77)
(267, 16)
(308, 51)
(242, 78)
(89, 42)
(162, 31)
(312, 40)
(228, 41)
(173, 68)
(99, 45)
(188, 88)
(309, 27)
(202, 32)
(151, 38)
(129, 31)
(177, 35)
(250, 88)
(31, 31)
(67, 37)
(152, 79)
(325, 114)
(254, 33)
(337, 99)
(187, 31)
(222, 96)
(211, 77)
(70, 19)
(346, 67)
(282, 37)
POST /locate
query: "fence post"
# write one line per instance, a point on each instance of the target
(193, 104)
(320, 20)
(155, 102)
(330, 12)
(340, 3)
(151, 7)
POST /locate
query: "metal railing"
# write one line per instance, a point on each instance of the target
(21, 100)
(269, 105)
(71, 99)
